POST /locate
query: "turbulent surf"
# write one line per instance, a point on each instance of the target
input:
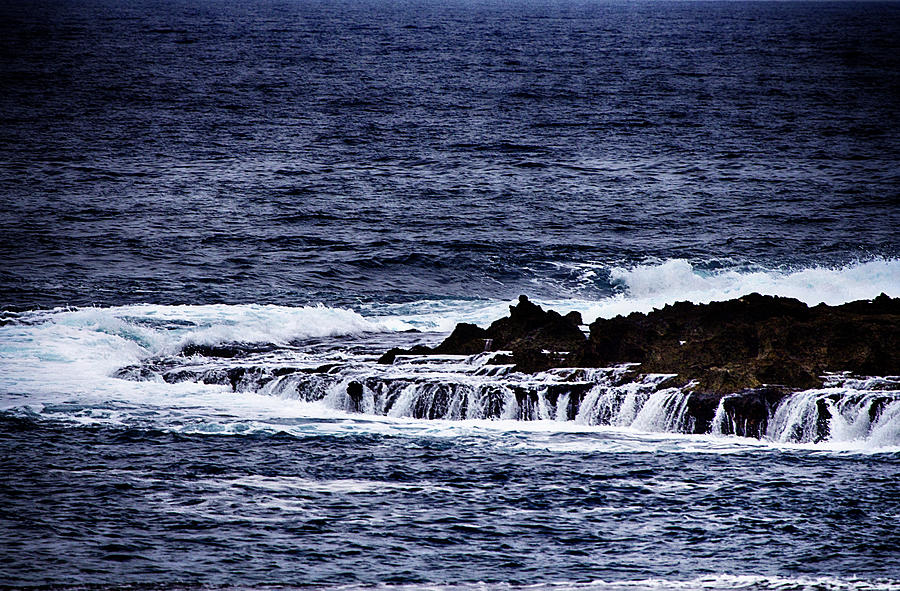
(239, 239)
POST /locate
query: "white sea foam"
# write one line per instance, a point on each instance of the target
(831, 285)
(166, 329)
(642, 288)
(59, 363)
(66, 355)
(645, 287)
(437, 315)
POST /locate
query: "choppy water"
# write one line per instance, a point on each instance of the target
(304, 184)
(302, 152)
(500, 506)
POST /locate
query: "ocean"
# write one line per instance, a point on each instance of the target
(217, 215)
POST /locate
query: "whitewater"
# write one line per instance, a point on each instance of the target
(85, 365)
(216, 216)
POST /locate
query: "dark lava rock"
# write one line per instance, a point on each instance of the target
(747, 411)
(528, 325)
(389, 357)
(466, 339)
(529, 330)
(531, 359)
(574, 317)
(752, 341)
(723, 347)
(226, 350)
(355, 393)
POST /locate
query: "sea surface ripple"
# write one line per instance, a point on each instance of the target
(284, 152)
(318, 180)
(137, 506)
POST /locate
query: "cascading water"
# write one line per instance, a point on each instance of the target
(474, 388)
(842, 412)
(719, 419)
(664, 411)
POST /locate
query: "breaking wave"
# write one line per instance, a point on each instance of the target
(641, 288)
(292, 362)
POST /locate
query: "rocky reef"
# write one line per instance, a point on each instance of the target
(740, 357)
(538, 339)
(753, 341)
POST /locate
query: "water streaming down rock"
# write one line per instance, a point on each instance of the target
(718, 423)
(456, 387)
(845, 411)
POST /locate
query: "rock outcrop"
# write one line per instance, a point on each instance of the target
(740, 357)
(724, 347)
(538, 339)
(752, 341)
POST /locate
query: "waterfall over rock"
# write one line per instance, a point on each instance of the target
(481, 386)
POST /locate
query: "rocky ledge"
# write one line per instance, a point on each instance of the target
(747, 353)
(538, 339)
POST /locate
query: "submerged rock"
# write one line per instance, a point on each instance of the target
(355, 394)
(226, 350)
(389, 357)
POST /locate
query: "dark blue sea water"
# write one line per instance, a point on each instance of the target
(296, 152)
(168, 509)
(307, 183)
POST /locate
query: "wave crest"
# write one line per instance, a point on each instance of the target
(644, 287)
